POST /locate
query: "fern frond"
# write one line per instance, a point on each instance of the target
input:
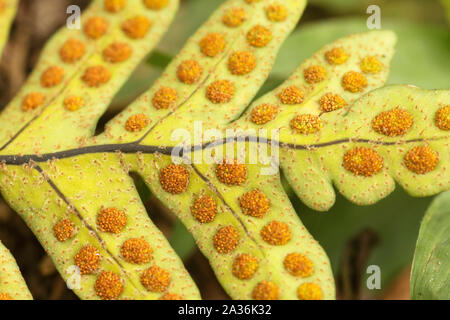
(429, 275)
(8, 10)
(229, 241)
(12, 284)
(331, 122)
(83, 238)
(238, 63)
(79, 73)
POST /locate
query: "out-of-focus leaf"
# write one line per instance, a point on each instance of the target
(413, 10)
(430, 277)
(421, 56)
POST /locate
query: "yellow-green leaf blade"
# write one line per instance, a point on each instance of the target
(75, 191)
(311, 184)
(417, 159)
(8, 10)
(12, 284)
(93, 91)
(203, 182)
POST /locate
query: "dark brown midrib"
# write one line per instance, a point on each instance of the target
(135, 147)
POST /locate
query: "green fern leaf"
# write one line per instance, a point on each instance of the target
(429, 276)
(74, 189)
(12, 284)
